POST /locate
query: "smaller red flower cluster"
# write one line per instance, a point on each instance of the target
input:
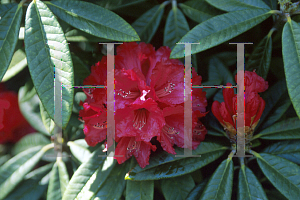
(13, 125)
(149, 102)
(226, 112)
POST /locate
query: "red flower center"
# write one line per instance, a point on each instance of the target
(166, 90)
(140, 118)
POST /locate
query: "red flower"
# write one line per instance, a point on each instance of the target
(128, 146)
(173, 131)
(253, 82)
(146, 83)
(226, 112)
(13, 125)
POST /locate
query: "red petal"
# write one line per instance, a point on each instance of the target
(228, 94)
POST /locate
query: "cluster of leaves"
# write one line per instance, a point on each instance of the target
(30, 168)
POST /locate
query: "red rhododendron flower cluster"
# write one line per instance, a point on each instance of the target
(149, 102)
(13, 125)
(226, 112)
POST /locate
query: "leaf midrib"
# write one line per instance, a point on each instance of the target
(222, 30)
(79, 16)
(262, 159)
(180, 158)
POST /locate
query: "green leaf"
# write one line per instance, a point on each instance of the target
(177, 188)
(260, 59)
(176, 27)
(34, 184)
(139, 190)
(291, 59)
(218, 74)
(45, 38)
(165, 165)
(199, 10)
(117, 4)
(9, 26)
(47, 121)
(114, 185)
(18, 63)
(284, 130)
(219, 29)
(93, 19)
(220, 184)
(283, 174)
(6, 7)
(29, 107)
(29, 141)
(3, 159)
(234, 5)
(195, 194)
(88, 178)
(277, 102)
(80, 70)
(147, 24)
(272, 4)
(14, 170)
(76, 35)
(249, 188)
(58, 181)
(79, 149)
(288, 149)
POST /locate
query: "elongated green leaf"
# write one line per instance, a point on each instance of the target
(284, 130)
(14, 170)
(34, 185)
(93, 19)
(29, 107)
(176, 27)
(291, 59)
(289, 149)
(46, 47)
(283, 174)
(47, 121)
(218, 74)
(114, 185)
(260, 59)
(117, 4)
(79, 151)
(195, 194)
(272, 4)
(249, 187)
(234, 5)
(29, 141)
(177, 188)
(199, 11)
(18, 63)
(276, 104)
(76, 35)
(139, 190)
(80, 70)
(9, 26)
(220, 184)
(147, 24)
(4, 159)
(58, 181)
(87, 180)
(219, 29)
(6, 7)
(166, 165)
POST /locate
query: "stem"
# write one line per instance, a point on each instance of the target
(48, 147)
(278, 12)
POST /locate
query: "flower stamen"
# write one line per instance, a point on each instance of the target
(140, 118)
(129, 94)
(100, 126)
(166, 90)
